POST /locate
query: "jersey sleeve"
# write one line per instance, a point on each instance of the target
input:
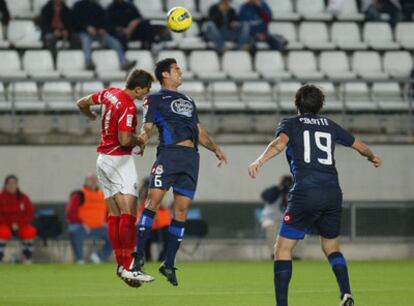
(150, 108)
(97, 97)
(127, 119)
(343, 137)
(196, 120)
(284, 127)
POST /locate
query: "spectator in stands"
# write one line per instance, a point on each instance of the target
(16, 214)
(86, 215)
(223, 25)
(374, 8)
(160, 226)
(258, 14)
(91, 25)
(126, 24)
(56, 24)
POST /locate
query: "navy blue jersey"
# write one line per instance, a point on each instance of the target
(310, 150)
(174, 114)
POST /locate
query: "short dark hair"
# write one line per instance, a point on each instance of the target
(13, 177)
(309, 99)
(139, 78)
(163, 66)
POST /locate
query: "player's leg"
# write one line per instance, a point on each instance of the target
(114, 217)
(27, 233)
(5, 235)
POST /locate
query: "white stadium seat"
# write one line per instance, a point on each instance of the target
(398, 64)
(348, 11)
(346, 35)
(23, 34)
(181, 61)
(150, 9)
(332, 102)
(314, 35)
(39, 64)
(258, 96)
(367, 64)
(285, 93)
(287, 30)
(238, 65)
(335, 65)
(206, 65)
(57, 91)
(224, 96)
(3, 42)
(388, 96)
(357, 96)
(23, 91)
(313, 10)
(190, 5)
(38, 5)
(10, 66)
(71, 64)
(107, 64)
(270, 65)
(192, 39)
(378, 35)
(86, 88)
(143, 57)
(196, 91)
(404, 34)
(302, 64)
(283, 10)
(20, 8)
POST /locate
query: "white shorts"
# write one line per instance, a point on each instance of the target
(117, 173)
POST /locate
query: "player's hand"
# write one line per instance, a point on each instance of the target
(221, 157)
(376, 161)
(254, 168)
(141, 150)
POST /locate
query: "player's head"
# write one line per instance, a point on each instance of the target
(167, 72)
(309, 99)
(139, 83)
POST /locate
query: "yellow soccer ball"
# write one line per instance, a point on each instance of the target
(179, 19)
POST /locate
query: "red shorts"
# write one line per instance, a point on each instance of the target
(25, 232)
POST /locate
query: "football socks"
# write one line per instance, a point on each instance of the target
(282, 270)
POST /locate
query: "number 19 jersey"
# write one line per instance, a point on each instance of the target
(310, 150)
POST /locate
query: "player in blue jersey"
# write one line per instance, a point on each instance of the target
(314, 203)
(177, 163)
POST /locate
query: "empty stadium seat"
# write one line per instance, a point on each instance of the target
(314, 35)
(404, 34)
(312, 10)
(285, 93)
(107, 64)
(349, 12)
(181, 61)
(378, 35)
(196, 91)
(23, 34)
(287, 30)
(238, 65)
(398, 64)
(346, 36)
(332, 103)
(10, 66)
(388, 96)
(270, 65)
(86, 88)
(3, 42)
(150, 9)
(143, 57)
(335, 65)
(20, 8)
(302, 64)
(283, 10)
(57, 91)
(225, 96)
(71, 64)
(206, 65)
(258, 96)
(39, 64)
(192, 39)
(23, 91)
(357, 97)
(367, 64)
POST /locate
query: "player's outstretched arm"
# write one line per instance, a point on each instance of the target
(84, 104)
(144, 136)
(364, 150)
(205, 140)
(276, 146)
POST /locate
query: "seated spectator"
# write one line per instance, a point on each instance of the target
(16, 214)
(56, 24)
(91, 25)
(126, 24)
(258, 14)
(86, 215)
(223, 25)
(374, 8)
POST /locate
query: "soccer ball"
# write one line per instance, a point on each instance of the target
(179, 19)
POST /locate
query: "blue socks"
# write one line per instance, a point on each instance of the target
(144, 231)
(340, 269)
(175, 236)
(282, 274)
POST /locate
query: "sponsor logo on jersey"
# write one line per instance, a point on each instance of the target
(112, 99)
(182, 107)
(129, 120)
(287, 219)
(159, 170)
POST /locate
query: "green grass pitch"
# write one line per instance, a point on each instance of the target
(374, 283)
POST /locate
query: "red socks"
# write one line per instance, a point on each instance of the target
(127, 237)
(113, 233)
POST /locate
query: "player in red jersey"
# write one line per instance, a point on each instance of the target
(115, 165)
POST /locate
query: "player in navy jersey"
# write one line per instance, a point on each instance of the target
(315, 200)
(177, 163)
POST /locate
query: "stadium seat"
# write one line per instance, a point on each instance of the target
(150, 9)
(20, 8)
(225, 96)
(349, 12)
(388, 96)
(346, 36)
(23, 34)
(10, 66)
(378, 35)
(143, 57)
(4, 44)
(39, 64)
(285, 93)
(57, 91)
(206, 65)
(287, 30)
(188, 4)
(23, 91)
(38, 5)
(312, 10)
(283, 10)
(196, 91)
(367, 64)
(2, 96)
(70, 3)
(71, 64)
(105, 3)
(205, 5)
(258, 96)
(332, 103)
(192, 39)
(238, 65)
(404, 34)
(181, 61)
(357, 97)
(335, 65)
(270, 65)
(87, 87)
(302, 64)
(314, 35)
(398, 64)
(107, 65)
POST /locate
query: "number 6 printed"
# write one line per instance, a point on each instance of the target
(157, 181)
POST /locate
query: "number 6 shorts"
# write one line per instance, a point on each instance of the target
(117, 174)
(176, 167)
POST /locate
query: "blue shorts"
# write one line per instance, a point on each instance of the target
(312, 211)
(176, 167)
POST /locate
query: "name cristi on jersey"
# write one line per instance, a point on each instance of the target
(174, 114)
(310, 150)
(118, 114)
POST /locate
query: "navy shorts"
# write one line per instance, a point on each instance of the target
(176, 167)
(312, 211)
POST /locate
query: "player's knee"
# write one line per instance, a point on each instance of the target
(5, 232)
(152, 204)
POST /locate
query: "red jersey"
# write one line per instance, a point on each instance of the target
(14, 209)
(118, 113)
